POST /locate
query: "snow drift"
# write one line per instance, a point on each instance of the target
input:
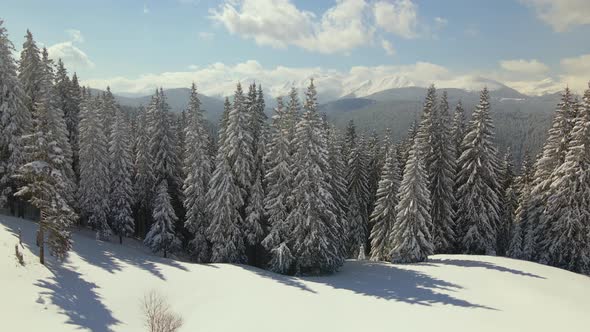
(100, 286)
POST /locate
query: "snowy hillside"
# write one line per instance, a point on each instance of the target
(100, 286)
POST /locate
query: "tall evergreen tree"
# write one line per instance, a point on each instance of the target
(121, 189)
(410, 238)
(93, 190)
(30, 72)
(144, 181)
(478, 201)
(384, 214)
(162, 236)
(441, 181)
(197, 167)
(458, 129)
(508, 204)
(358, 198)
(315, 246)
(567, 239)
(72, 118)
(15, 122)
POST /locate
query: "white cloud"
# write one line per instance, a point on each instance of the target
(530, 67)
(388, 47)
(441, 22)
(73, 57)
(398, 17)
(279, 23)
(75, 35)
(576, 72)
(204, 35)
(561, 14)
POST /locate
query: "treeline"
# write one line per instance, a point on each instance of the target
(292, 194)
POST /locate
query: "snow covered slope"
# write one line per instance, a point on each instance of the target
(100, 286)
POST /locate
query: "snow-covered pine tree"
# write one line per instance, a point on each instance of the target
(180, 124)
(44, 183)
(376, 159)
(94, 185)
(254, 220)
(567, 238)
(403, 151)
(238, 146)
(384, 213)
(292, 116)
(458, 129)
(358, 196)
(478, 184)
(162, 148)
(224, 200)
(410, 238)
(58, 126)
(278, 182)
(315, 246)
(442, 180)
(72, 118)
(427, 131)
(197, 167)
(144, 182)
(108, 110)
(15, 122)
(161, 236)
(121, 188)
(552, 156)
(520, 248)
(338, 184)
(508, 204)
(30, 72)
(350, 140)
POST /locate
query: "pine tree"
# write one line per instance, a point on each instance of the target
(403, 151)
(376, 159)
(458, 129)
(227, 241)
(384, 214)
(108, 110)
(410, 238)
(520, 246)
(315, 247)
(338, 184)
(427, 131)
(478, 201)
(508, 205)
(30, 72)
(161, 236)
(279, 184)
(567, 239)
(15, 121)
(44, 181)
(144, 181)
(121, 188)
(358, 196)
(553, 156)
(441, 180)
(72, 118)
(197, 167)
(94, 170)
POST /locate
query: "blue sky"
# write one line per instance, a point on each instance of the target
(535, 46)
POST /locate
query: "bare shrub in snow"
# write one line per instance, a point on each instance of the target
(158, 314)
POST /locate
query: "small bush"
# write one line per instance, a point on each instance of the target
(158, 314)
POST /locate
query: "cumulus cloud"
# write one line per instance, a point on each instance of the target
(398, 17)
(278, 23)
(576, 72)
(72, 56)
(388, 47)
(529, 67)
(561, 14)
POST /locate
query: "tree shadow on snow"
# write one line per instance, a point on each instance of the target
(77, 299)
(282, 279)
(388, 282)
(486, 265)
(107, 255)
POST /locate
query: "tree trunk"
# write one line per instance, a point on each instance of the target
(165, 256)
(41, 240)
(120, 239)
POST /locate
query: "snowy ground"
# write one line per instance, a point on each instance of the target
(100, 286)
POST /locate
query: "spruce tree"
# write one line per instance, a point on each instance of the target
(567, 239)
(121, 188)
(478, 201)
(458, 129)
(30, 72)
(441, 181)
(144, 181)
(15, 122)
(410, 238)
(315, 247)
(338, 184)
(94, 171)
(384, 214)
(197, 167)
(508, 204)
(161, 236)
